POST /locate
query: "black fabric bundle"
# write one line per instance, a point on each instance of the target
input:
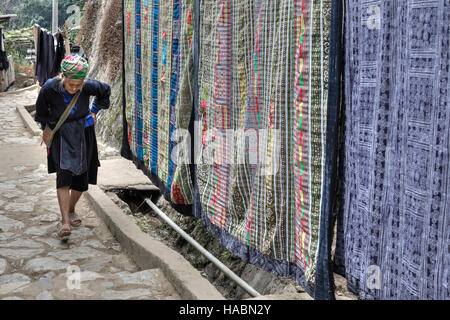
(4, 64)
(60, 53)
(48, 59)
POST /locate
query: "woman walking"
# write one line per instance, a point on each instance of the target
(73, 151)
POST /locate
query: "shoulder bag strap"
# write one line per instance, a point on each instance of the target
(66, 113)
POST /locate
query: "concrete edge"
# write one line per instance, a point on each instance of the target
(287, 296)
(149, 253)
(129, 187)
(34, 86)
(30, 107)
(29, 121)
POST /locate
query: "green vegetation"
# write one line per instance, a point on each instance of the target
(16, 44)
(30, 12)
(19, 32)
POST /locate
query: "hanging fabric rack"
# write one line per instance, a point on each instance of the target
(64, 32)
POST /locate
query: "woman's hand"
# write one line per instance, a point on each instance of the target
(94, 116)
(45, 135)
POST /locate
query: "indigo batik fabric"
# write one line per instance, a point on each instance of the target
(158, 95)
(261, 128)
(394, 231)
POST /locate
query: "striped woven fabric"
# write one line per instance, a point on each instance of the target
(158, 93)
(394, 230)
(260, 122)
(261, 114)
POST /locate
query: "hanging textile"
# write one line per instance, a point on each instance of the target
(37, 46)
(60, 53)
(158, 94)
(8, 77)
(266, 96)
(4, 64)
(45, 56)
(393, 233)
(262, 130)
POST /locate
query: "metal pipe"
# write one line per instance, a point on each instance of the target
(244, 285)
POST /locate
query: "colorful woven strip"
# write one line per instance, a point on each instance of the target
(260, 122)
(155, 112)
(262, 113)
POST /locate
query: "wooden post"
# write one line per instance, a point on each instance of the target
(36, 35)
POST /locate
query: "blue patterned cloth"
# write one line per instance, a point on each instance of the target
(394, 225)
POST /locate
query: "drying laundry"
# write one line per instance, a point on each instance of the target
(45, 56)
(60, 53)
(4, 63)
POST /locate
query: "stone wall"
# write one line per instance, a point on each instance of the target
(100, 37)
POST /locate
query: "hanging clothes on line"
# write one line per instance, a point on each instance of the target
(48, 58)
(45, 54)
(60, 53)
(4, 64)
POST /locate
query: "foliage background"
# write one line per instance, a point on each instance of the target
(30, 12)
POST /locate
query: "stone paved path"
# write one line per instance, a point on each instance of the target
(34, 263)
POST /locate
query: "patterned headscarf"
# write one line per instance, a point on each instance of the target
(74, 67)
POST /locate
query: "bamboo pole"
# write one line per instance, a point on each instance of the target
(35, 33)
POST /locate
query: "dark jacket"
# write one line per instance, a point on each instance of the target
(4, 63)
(45, 56)
(50, 103)
(68, 150)
(60, 53)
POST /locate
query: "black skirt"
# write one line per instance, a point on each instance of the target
(53, 157)
(92, 154)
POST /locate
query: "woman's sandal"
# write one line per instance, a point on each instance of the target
(75, 220)
(64, 231)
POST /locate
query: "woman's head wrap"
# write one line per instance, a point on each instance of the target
(74, 67)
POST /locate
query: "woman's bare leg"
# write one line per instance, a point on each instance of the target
(64, 203)
(74, 197)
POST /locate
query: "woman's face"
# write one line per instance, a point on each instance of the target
(73, 85)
